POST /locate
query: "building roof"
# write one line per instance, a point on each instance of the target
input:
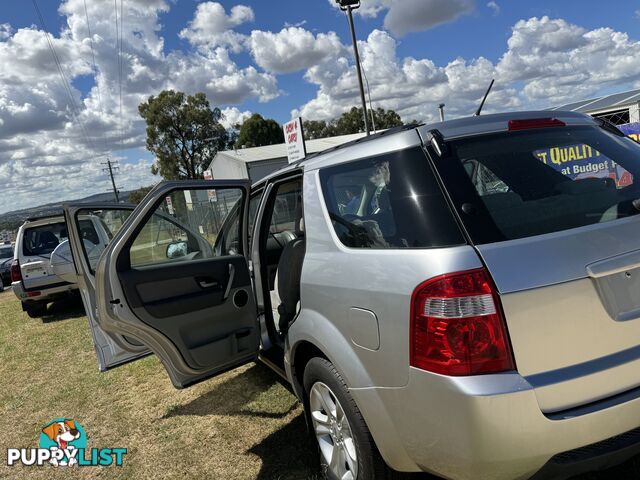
(608, 102)
(270, 152)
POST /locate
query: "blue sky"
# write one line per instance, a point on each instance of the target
(482, 33)
(282, 58)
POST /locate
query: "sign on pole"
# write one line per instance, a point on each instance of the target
(294, 139)
(170, 206)
(213, 196)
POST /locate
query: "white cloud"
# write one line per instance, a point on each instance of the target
(292, 49)
(232, 116)
(547, 62)
(40, 142)
(5, 31)
(43, 149)
(494, 6)
(212, 27)
(407, 16)
(301, 23)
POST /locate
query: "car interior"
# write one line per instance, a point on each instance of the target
(282, 251)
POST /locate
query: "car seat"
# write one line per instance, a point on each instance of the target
(48, 241)
(285, 296)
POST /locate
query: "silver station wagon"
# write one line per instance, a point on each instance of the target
(461, 298)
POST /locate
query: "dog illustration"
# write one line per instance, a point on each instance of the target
(62, 433)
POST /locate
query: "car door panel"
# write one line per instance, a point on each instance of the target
(198, 316)
(112, 350)
(181, 301)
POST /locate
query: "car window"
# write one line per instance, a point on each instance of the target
(185, 227)
(229, 239)
(547, 180)
(6, 252)
(108, 221)
(254, 203)
(390, 201)
(43, 240)
(287, 209)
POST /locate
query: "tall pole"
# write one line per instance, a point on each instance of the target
(359, 69)
(113, 182)
(441, 108)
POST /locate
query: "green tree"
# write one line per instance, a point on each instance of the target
(314, 129)
(183, 132)
(257, 131)
(351, 122)
(137, 195)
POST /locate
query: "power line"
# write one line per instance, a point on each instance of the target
(119, 41)
(95, 70)
(373, 120)
(65, 83)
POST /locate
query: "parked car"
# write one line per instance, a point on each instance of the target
(454, 298)
(32, 276)
(6, 257)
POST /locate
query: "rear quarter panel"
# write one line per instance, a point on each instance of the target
(335, 279)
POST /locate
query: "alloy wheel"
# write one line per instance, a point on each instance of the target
(333, 433)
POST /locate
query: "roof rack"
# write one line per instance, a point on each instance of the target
(358, 141)
(45, 217)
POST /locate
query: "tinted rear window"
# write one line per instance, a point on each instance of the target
(521, 184)
(6, 252)
(43, 240)
(390, 201)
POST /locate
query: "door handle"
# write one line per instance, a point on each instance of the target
(232, 273)
(205, 284)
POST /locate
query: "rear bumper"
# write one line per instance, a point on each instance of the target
(46, 294)
(607, 453)
(490, 427)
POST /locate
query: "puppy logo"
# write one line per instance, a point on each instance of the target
(66, 436)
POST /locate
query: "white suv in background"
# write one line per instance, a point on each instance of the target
(32, 274)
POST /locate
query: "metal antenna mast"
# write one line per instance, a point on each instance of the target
(348, 6)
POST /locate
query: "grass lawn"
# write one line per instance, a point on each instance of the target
(241, 425)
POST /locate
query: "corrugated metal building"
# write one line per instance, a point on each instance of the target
(256, 163)
(619, 109)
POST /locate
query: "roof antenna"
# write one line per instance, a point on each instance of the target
(477, 114)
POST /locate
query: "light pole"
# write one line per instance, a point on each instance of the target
(348, 6)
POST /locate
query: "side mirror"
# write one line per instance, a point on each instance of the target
(177, 250)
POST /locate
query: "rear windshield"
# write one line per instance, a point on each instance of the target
(520, 184)
(43, 240)
(6, 252)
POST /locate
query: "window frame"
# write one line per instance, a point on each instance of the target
(123, 260)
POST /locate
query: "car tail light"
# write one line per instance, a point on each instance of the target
(16, 273)
(457, 327)
(530, 124)
(33, 294)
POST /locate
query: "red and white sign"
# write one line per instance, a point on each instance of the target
(213, 196)
(294, 139)
(169, 205)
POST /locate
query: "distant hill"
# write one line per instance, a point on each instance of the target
(12, 220)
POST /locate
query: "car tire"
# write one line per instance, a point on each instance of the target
(1, 285)
(356, 450)
(36, 310)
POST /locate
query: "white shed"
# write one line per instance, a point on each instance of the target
(256, 163)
